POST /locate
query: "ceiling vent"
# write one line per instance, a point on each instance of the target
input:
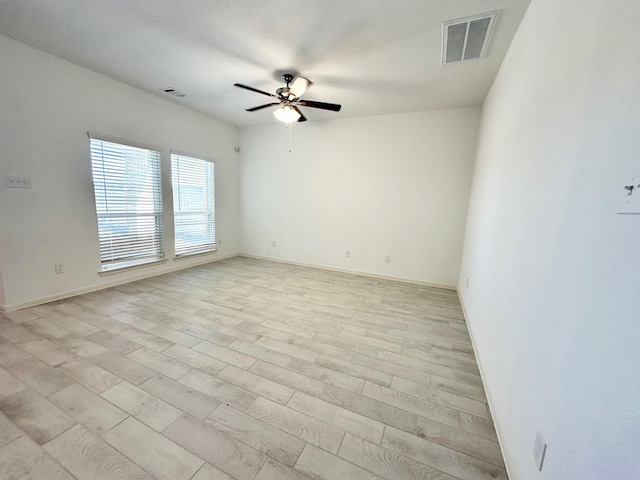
(467, 38)
(174, 92)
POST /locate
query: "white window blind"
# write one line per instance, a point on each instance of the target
(128, 194)
(193, 205)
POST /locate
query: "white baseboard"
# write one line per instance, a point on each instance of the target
(94, 288)
(176, 267)
(510, 471)
(354, 272)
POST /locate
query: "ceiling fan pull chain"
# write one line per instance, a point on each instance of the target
(290, 126)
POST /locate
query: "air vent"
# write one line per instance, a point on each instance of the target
(467, 38)
(174, 92)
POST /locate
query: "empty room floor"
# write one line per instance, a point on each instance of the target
(245, 369)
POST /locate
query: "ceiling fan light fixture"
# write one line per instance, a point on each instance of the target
(286, 114)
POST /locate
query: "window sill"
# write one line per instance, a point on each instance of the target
(194, 254)
(126, 266)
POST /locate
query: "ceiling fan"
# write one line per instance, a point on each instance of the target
(288, 100)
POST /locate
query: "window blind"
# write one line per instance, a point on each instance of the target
(193, 205)
(128, 195)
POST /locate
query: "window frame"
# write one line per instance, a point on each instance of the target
(135, 257)
(202, 248)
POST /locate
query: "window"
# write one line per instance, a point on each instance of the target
(128, 192)
(193, 205)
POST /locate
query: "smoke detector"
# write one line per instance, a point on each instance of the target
(467, 38)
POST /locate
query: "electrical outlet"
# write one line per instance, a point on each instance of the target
(17, 181)
(387, 259)
(59, 268)
(273, 244)
(467, 282)
(347, 253)
(539, 449)
(219, 241)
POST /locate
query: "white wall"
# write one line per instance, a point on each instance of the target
(554, 296)
(46, 107)
(394, 185)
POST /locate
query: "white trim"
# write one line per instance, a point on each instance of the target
(123, 141)
(355, 272)
(113, 268)
(184, 256)
(182, 153)
(81, 291)
(510, 472)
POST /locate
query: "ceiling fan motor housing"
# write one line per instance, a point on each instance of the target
(283, 92)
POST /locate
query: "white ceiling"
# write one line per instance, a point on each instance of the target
(372, 56)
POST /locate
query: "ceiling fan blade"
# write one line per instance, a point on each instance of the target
(299, 86)
(246, 87)
(334, 107)
(262, 106)
(302, 117)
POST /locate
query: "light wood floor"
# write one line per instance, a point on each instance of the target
(245, 369)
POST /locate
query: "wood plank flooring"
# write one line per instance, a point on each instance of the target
(248, 370)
